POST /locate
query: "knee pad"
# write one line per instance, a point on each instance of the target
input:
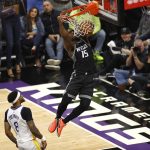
(85, 103)
(66, 99)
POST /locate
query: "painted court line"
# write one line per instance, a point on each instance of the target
(77, 125)
(143, 98)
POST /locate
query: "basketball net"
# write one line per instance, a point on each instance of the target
(80, 24)
(80, 18)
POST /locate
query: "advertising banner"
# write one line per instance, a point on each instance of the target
(130, 4)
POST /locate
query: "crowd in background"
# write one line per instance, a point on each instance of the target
(127, 58)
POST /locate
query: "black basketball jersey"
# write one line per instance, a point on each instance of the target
(83, 57)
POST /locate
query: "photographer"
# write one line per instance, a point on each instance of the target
(137, 57)
(141, 81)
(135, 62)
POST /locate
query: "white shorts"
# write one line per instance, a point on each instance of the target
(29, 145)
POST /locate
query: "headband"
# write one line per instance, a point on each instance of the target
(15, 100)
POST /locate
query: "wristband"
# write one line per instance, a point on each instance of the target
(43, 138)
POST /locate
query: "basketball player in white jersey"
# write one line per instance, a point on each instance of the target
(20, 119)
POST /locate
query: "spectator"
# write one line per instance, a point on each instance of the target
(61, 5)
(32, 33)
(147, 42)
(0, 43)
(143, 31)
(0, 53)
(119, 51)
(11, 28)
(98, 36)
(135, 62)
(53, 38)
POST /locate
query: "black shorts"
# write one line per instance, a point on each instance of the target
(82, 84)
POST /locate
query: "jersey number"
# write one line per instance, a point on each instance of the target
(16, 126)
(84, 54)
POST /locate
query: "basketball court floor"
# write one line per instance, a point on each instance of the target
(115, 120)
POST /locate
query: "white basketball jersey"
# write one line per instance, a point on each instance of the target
(23, 133)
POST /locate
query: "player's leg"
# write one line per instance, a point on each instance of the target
(71, 92)
(86, 93)
(61, 109)
(84, 105)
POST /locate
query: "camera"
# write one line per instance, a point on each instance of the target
(116, 48)
(137, 50)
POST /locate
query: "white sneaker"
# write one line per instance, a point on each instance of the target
(52, 67)
(53, 62)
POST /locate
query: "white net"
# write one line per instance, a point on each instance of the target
(82, 24)
(81, 19)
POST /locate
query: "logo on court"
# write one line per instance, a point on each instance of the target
(104, 120)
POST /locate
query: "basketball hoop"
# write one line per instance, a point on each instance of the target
(79, 15)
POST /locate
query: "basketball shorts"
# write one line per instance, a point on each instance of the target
(82, 84)
(29, 145)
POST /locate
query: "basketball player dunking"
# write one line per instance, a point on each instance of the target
(81, 81)
(20, 119)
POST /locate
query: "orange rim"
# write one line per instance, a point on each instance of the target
(91, 8)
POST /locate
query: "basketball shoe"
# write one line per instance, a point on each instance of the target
(52, 67)
(53, 62)
(52, 127)
(97, 56)
(60, 126)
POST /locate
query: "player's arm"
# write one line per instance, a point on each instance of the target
(27, 115)
(62, 30)
(34, 129)
(8, 130)
(68, 42)
(9, 133)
